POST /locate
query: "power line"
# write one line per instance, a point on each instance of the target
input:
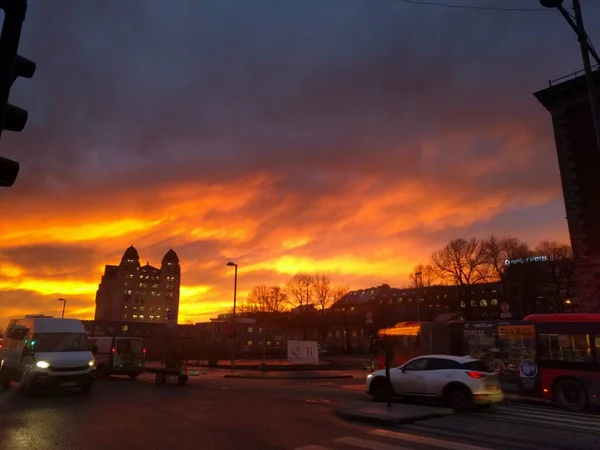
(479, 8)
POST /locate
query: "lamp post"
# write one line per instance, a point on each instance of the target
(587, 49)
(231, 264)
(64, 306)
(419, 281)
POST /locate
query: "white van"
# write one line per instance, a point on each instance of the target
(40, 351)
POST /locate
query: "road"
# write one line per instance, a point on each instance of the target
(217, 413)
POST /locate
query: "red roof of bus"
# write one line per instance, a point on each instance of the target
(563, 318)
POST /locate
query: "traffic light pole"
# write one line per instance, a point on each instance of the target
(14, 15)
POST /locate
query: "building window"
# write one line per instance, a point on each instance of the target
(124, 316)
(494, 302)
(249, 329)
(124, 328)
(143, 285)
(260, 330)
(249, 342)
(483, 302)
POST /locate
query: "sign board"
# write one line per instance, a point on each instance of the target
(302, 352)
(505, 315)
(171, 319)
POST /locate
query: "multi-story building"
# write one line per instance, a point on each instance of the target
(579, 162)
(131, 292)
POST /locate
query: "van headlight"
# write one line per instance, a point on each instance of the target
(91, 363)
(42, 364)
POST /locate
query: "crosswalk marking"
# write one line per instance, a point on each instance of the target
(371, 445)
(426, 440)
(542, 416)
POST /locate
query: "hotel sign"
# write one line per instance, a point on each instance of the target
(510, 262)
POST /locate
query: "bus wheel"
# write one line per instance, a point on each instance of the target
(380, 390)
(570, 394)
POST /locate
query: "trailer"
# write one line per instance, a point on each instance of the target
(164, 373)
(174, 364)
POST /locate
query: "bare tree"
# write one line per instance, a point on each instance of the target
(423, 276)
(323, 292)
(461, 261)
(561, 268)
(497, 250)
(299, 290)
(266, 299)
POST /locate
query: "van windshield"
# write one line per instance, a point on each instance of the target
(60, 342)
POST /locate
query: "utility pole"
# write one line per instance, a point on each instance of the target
(587, 49)
(231, 264)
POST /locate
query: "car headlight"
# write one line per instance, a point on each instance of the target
(370, 376)
(42, 364)
(91, 363)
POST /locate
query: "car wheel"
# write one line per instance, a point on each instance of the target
(4, 381)
(160, 378)
(459, 399)
(380, 390)
(570, 394)
(25, 386)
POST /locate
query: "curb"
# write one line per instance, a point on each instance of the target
(278, 377)
(370, 418)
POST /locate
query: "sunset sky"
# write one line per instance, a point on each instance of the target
(348, 137)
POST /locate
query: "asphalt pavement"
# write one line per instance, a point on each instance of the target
(213, 412)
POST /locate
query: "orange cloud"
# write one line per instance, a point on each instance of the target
(359, 230)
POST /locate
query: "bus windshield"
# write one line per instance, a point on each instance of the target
(60, 342)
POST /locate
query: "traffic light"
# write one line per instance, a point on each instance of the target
(12, 66)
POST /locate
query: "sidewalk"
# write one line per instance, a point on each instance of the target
(398, 413)
(292, 375)
(278, 365)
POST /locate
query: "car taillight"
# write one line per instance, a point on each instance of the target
(473, 374)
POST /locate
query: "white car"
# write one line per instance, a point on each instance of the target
(461, 381)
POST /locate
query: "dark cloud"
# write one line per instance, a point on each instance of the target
(52, 260)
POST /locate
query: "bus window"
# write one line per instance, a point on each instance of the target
(566, 347)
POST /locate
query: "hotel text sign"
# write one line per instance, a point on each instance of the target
(510, 262)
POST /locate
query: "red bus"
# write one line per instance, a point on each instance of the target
(550, 356)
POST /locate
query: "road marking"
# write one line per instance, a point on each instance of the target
(426, 440)
(544, 417)
(314, 447)
(371, 445)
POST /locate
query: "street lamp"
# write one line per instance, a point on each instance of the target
(586, 48)
(231, 264)
(64, 306)
(419, 281)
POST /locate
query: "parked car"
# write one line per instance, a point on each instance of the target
(460, 381)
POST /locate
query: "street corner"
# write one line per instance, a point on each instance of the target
(395, 414)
